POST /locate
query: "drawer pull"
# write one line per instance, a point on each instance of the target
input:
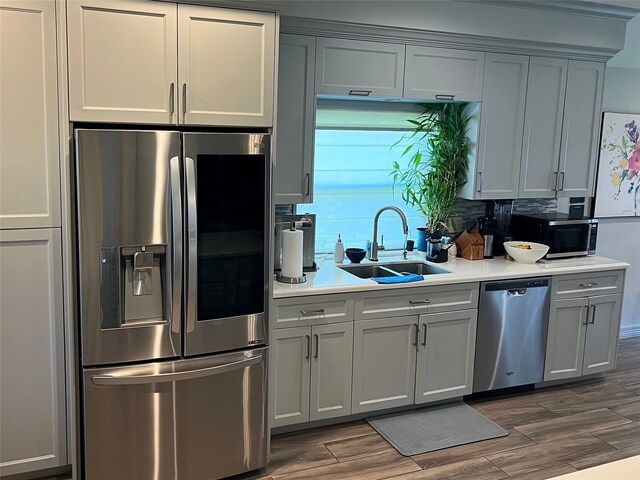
(589, 285)
(319, 311)
(360, 93)
(419, 302)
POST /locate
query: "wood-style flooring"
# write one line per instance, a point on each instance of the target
(552, 431)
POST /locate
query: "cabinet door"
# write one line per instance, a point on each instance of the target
(542, 127)
(29, 155)
(332, 347)
(32, 368)
(289, 370)
(122, 61)
(446, 355)
(351, 67)
(293, 176)
(501, 126)
(439, 73)
(384, 363)
(226, 66)
(602, 334)
(580, 129)
(565, 338)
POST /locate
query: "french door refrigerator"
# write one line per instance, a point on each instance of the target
(173, 295)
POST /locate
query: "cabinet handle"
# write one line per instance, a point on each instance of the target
(360, 93)
(589, 285)
(445, 97)
(308, 354)
(555, 182)
(415, 338)
(424, 334)
(311, 312)
(171, 98)
(562, 181)
(307, 183)
(184, 101)
(586, 320)
(593, 315)
(317, 339)
(419, 302)
(479, 182)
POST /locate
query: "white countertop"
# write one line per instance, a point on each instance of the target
(331, 279)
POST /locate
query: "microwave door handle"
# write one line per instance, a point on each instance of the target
(192, 243)
(174, 376)
(176, 243)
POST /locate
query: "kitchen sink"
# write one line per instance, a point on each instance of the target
(392, 269)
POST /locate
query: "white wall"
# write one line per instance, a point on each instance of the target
(620, 237)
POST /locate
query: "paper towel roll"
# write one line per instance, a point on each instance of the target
(292, 253)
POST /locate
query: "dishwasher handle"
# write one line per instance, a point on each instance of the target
(517, 292)
(517, 285)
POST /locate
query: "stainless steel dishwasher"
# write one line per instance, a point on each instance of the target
(513, 318)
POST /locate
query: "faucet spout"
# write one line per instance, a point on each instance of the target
(373, 256)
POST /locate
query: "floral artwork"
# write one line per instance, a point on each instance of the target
(618, 190)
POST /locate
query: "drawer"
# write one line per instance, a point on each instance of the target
(314, 310)
(416, 301)
(586, 284)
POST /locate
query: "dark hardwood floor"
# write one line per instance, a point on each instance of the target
(552, 431)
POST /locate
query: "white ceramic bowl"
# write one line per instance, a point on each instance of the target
(526, 255)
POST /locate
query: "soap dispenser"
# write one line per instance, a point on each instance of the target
(338, 252)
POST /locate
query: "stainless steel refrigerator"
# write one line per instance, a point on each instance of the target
(173, 242)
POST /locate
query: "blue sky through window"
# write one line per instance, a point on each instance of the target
(352, 183)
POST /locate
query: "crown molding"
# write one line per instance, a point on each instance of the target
(576, 7)
(407, 36)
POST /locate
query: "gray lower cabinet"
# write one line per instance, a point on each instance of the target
(446, 351)
(384, 363)
(293, 175)
(33, 432)
(582, 337)
(310, 373)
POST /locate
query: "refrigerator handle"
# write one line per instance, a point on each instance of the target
(176, 242)
(192, 243)
(174, 376)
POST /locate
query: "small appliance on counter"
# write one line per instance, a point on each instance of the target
(565, 236)
(306, 223)
(487, 227)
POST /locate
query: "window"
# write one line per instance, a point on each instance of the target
(353, 156)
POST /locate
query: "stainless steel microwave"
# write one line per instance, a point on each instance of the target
(565, 236)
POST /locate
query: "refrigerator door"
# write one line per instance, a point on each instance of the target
(129, 244)
(228, 215)
(184, 420)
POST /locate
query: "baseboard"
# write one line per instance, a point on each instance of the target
(630, 331)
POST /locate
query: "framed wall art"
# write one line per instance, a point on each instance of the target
(618, 187)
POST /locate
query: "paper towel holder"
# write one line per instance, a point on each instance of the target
(291, 280)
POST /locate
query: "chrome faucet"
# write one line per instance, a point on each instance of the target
(373, 256)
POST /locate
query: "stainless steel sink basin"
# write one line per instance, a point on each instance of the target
(369, 270)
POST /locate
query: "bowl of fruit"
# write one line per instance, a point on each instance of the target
(526, 252)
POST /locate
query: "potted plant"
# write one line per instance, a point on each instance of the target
(437, 167)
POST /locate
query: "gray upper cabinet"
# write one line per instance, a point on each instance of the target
(497, 173)
(139, 61)
(365, 69)
(439, 73)
(542, 127)
(33, 419)
(29, 153)
(122, 61)
(226, 66)
(293, 176)
(580, 129)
